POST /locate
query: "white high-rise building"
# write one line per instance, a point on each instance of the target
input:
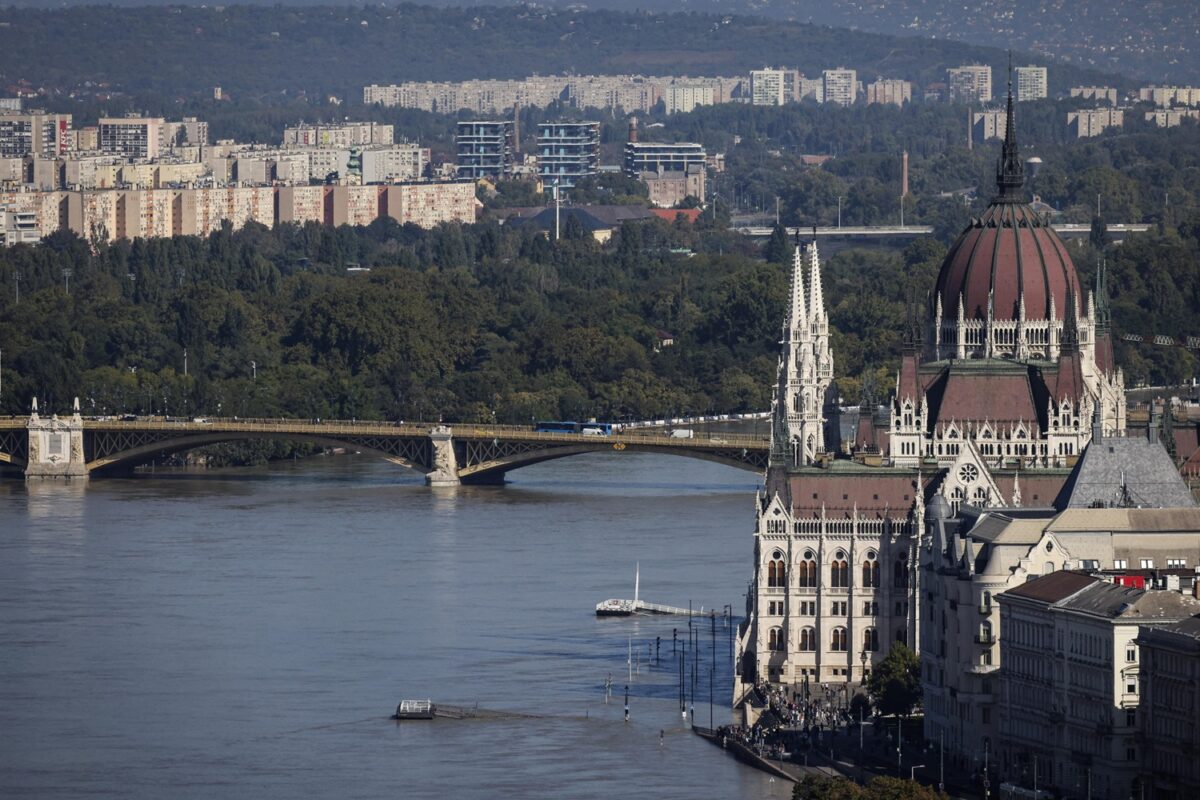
(969, 84)
(841, 86)
(1031, 83)
(770, 87)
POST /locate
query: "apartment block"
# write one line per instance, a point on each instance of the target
(773, 87)
(493, 97)
(430, 204)
(662, 157)
(1098, 93)
(354, 205)
(987, 125)
(1166, 96)
(1169, 709)
(339, 134)
(887, 91)
(182, 133)
(684, 99)
(10, 104)
(131, 137)
(485, 149)
(1070, 683)
(34, 133)
(1094, 121)
(811, 89)
(1030, 83)
(969, 84)
(393, 163)
(630, 93)
(1172, 117)
(841, 86)
(17, 227)
(567, 151)
(92, 215)
(301, 204)
(145, 213)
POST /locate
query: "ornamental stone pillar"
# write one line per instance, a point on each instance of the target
(56, 446)
(445, 463)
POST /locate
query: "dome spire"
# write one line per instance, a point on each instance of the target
(1010, 172)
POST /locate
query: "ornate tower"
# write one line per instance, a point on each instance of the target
(805, 367)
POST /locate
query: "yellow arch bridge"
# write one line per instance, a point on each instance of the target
(75, 447)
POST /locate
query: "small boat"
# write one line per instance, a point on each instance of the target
(415, 709)
(628, 608)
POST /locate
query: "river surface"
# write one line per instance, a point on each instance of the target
(246, 633)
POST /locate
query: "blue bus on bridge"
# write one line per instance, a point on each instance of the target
(585, 428)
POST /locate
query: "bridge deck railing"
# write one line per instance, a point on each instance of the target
(333, 428)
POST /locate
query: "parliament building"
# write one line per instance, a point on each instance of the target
(994, 401)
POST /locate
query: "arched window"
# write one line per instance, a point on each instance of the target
(776, 572)
(985, 632)
(870, 640)
(870, 571)
(808, 569)
(776, 640)
(808, 639)
(986, 602)
(900, 572)
(839, 572)
(838, 640)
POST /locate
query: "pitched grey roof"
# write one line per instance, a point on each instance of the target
(1124, 472)
(1132, 605)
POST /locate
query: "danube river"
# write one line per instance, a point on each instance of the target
(246, 633)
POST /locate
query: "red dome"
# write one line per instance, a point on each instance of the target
(1008, 252)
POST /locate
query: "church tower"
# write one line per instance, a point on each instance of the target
(805, 366)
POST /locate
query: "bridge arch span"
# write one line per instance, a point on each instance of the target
(145, 452)
(492, 470)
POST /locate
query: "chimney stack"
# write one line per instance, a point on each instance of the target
(970, 130)
(904, 175)
(516, 128)
(633, 129)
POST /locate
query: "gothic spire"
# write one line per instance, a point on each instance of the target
(1010, 172)
(797, 317)
(816, 297)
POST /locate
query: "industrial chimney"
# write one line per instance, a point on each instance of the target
(633, 129)
(904, 175)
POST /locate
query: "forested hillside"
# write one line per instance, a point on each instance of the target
(179, 50)
(483, 322)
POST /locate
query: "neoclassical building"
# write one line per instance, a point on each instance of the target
(992, 406)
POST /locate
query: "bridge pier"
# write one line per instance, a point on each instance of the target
(445, 463)
(55, 447)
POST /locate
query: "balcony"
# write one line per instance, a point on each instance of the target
(985, 638)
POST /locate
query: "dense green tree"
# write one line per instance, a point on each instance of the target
(895, 682)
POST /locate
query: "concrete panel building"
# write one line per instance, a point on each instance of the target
(393, 163)
(841, 86)
(969, 84)
(34, 133)
(773, 87)
(1094, 121)
(131, 137)
(887, 91)
(430, 204)
(1030, 83)
(1106, 94)
(682, 99)
(987, 124)
(301, 204)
